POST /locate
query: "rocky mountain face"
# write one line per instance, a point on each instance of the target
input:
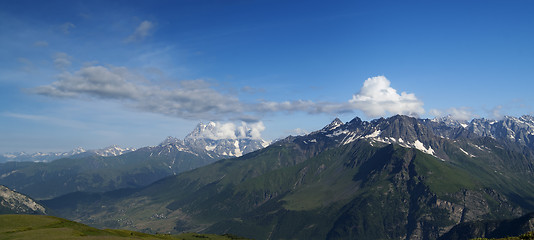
(390, 178)
(12, 202)
(112, 169)
(491, 229)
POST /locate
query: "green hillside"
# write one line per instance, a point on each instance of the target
(46, 227)
(95, 173)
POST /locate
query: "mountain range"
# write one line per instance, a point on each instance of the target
(111, 168)
(79, 152)
(389, 178)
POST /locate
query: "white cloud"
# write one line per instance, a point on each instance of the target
(197, 100)
(496, 112)
(377, 97)
(462, 114)
(141, 32)
(307, 106)
(66, 27)
(229, 130)
(250, 130)
(436, 112)
(62, 60)
(298, 132)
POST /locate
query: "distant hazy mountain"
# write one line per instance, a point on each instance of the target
(75, 153)
(12, 202)
(112, 168)
(389, 178)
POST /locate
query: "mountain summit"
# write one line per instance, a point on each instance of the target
(225, 139)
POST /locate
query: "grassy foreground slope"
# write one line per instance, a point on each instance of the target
(48, 227)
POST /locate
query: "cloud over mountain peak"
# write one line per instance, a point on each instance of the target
(377, 97)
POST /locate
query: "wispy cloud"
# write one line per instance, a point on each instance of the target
(66, 27)
(46, 119)
(40, 44)
(298, 132)
(496, 112)
(197, 99)
(462, 113)
(141, 32)
(192, 100)
(62, 60)
(27, 65)
(375, 98)
(307, 106)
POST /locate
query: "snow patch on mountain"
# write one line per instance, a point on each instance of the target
(113, 150)
(419, 145)
(401, 130)
(373, 135)
(210, 147)
(333, 125)
(337, 133)
(466, 153)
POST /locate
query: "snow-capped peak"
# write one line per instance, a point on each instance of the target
(449, 120)
(228, 130)
(171, 140)
(77, 150)
(218, 140)
(333, 125)
(112, 150)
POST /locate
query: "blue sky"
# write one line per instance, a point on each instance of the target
(96, 73)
